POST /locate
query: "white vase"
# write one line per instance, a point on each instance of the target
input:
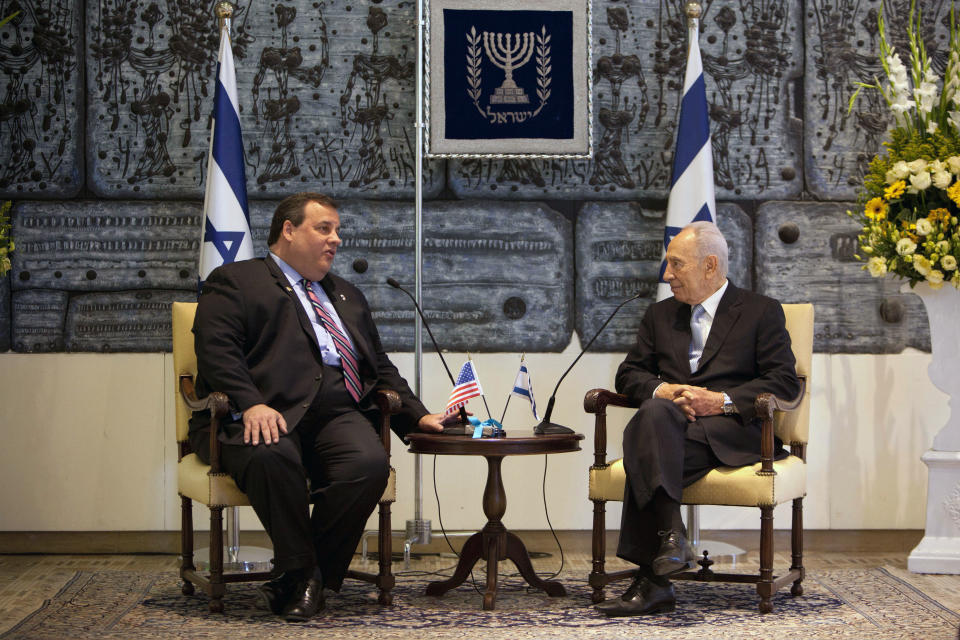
(939, 551)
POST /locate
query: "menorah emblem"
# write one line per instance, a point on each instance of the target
(508, 52)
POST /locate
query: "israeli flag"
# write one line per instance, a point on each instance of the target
(691, 191)
(524, 389)
(226, 219)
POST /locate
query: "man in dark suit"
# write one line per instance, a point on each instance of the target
(700, 361)
(296, 350)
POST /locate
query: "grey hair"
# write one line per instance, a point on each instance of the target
(710, 242)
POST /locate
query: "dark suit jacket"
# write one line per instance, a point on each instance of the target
(747, 353)
(255, 343)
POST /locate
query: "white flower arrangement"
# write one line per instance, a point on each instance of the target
(911, 195)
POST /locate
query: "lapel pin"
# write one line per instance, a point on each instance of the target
(343, 297)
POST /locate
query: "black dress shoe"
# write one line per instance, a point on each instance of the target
(675, 554)
(276, 593)
(642, 598)
(306, 602)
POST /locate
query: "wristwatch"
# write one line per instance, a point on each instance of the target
(728, 407)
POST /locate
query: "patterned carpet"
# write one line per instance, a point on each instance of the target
(838, 603)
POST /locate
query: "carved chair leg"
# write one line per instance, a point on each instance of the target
(385, 579)
(796, 544)
(186, 543)
(765, 584)
(597, 575)
(217, 586)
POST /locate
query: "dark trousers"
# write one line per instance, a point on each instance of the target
(337, 449)
(661, 449)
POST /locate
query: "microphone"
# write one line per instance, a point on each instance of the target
(545, 425)
(466, 429)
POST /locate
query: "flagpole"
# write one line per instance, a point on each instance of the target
(248, 559)
(694, 12)
(510, 395)
(482, 396)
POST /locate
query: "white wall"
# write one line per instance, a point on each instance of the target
(88, 444)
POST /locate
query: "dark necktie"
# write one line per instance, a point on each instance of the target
(348, 357)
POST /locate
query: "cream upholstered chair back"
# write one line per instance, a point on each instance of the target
(793, 427)
(184, 359)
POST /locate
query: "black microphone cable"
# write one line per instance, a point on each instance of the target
(436, 494)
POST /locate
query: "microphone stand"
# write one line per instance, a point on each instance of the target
(464, 428)
(547, 427)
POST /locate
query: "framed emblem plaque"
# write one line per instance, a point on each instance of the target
(508, 80)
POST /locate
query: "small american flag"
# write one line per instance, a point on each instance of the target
(468, 386)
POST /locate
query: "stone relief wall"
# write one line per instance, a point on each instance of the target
(104, 126)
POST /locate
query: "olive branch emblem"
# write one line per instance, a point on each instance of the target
(473, 67)
(543, 68)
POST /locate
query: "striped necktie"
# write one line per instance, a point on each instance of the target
(348, 357)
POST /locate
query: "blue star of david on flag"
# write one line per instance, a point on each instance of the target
(692, 196)
(226, 220)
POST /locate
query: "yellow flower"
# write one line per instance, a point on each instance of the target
(897, 188)
(876, 209)
(953, 192)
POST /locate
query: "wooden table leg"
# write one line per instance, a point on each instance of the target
(517, 552)
(493, 557)
(469, 554)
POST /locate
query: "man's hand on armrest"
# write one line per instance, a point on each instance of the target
(260, 421)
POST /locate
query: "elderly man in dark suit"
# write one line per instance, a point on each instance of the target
(700, 360)
(295, 349)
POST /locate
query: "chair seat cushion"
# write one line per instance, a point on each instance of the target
(195, 482)
(733, 486)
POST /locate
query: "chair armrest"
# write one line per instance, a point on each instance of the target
(596, 402)
(388, 401)
(219, 406)
(766, 405)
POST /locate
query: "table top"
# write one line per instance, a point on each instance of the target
(444, 444)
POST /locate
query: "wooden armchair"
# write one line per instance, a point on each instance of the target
(764, 484)
(209, 485)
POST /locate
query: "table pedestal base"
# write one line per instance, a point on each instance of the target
(494, 543)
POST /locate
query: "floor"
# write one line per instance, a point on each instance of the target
(27, 579)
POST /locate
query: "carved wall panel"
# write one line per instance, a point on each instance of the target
(41, 113)
(101, 276)
(854, 312)
(496, 276)
(752, 54)
(843, 49)
(105, 246)
(38, 320)
(326, 95)
(618, 255)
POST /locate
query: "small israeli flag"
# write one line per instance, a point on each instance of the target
(226, 219)
(691, 191)
(524, 389)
